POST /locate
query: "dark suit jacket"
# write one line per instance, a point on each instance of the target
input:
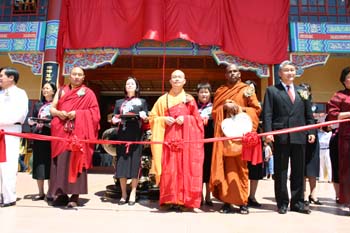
(279, 113)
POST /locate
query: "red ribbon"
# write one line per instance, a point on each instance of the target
(2, 147)
(76, 144)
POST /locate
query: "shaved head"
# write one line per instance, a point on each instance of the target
(178, 73)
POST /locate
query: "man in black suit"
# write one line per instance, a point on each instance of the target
(287, 106)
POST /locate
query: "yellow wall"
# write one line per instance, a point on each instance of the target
(27, 80)
(324, 80)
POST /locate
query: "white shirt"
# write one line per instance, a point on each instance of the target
(323, 138)
(13, 106)
(291, 87)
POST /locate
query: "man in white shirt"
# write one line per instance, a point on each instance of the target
(13, 111)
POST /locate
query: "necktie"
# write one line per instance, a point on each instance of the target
(289, 91)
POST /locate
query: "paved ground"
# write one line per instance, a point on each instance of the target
(103, 215)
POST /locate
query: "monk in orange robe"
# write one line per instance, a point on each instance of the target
(229, 174)
(177, 164)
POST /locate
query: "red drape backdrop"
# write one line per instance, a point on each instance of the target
(250, 29)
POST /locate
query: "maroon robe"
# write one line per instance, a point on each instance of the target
(86, 126)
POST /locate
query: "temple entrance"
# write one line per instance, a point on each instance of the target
(108, 81)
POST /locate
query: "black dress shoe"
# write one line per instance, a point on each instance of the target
(39, 198)
(282, 210)
(303, 210)
(313, 201)
(253, 203)
(122, 201)
(8, 204)
(131, 203)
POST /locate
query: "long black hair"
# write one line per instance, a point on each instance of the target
(343, 75)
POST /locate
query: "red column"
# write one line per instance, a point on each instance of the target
(51, 68)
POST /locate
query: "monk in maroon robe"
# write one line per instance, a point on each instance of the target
(76, 115)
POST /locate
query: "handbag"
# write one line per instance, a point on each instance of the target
(232, 148)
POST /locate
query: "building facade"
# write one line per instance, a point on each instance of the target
(319, 35)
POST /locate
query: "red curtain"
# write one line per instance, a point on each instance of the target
(250, 29)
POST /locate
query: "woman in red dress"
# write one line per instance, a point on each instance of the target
(339, 108)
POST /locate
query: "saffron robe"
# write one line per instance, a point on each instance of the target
(340, 102)
(177, 164)
(83, 101)
(229, 175)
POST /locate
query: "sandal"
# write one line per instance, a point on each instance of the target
(209, 203)
(61, 200)
(225, 209)
(72, 204)
(243, 209)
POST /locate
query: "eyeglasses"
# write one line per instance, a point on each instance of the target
(78, 74)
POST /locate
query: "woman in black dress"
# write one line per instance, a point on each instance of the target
(205, 107)
(129, 115)
(255, 172)
(40, 124)
(312, 159)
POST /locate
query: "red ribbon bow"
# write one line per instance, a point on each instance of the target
(74, 144)
(175, 145)
(250, 139)
(251, 148)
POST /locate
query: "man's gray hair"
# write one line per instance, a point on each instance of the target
(286, 63)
